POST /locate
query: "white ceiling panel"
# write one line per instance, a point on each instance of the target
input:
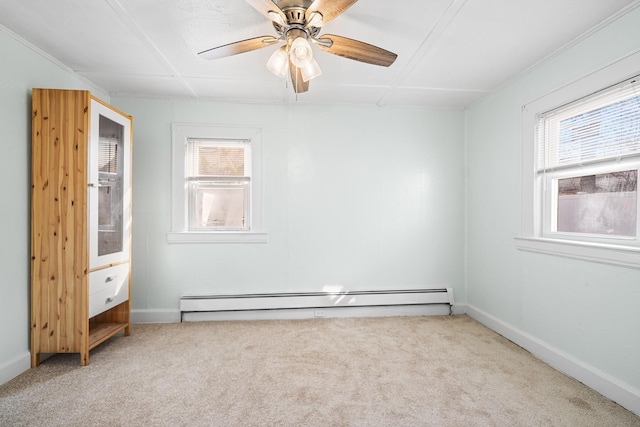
(323, 92)
(242, 90)
(142, 86)
(450, 52)
(433, 98)
(87, 36)
(491, 41)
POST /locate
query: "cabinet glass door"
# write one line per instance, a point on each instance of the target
(110, 177)
(109, 196)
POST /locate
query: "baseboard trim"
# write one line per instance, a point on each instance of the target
(155, 316)
(623, 394)
(11, 369)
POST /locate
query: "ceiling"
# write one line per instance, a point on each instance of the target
(451, 53)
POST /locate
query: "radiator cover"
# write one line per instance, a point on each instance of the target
(315, 300)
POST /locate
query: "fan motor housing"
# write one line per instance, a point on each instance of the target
(283, 4)
(295, 10)
(295, 15)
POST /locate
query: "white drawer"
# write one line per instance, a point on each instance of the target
(107, 288)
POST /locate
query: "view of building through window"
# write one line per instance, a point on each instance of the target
(599, 204)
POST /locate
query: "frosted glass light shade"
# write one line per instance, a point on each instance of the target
(276, 17)
(278, 63)
(301, 54)
(315, 20)
(310, 71)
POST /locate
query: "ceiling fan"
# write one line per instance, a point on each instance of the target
(298, 22)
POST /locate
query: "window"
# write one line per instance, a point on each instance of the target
(581, 162)
(217, 193)
(587, 167)
(219, 184)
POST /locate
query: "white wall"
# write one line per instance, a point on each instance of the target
(588, 311)
(22, 69)
(357, 197)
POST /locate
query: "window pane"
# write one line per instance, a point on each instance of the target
(219, 161)
(609, 131)
(604, 204)
(602, 126)
(220, 207)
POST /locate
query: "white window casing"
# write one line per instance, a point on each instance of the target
(547, 166)
(193, 187)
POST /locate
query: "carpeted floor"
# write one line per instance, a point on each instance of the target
(402, 371)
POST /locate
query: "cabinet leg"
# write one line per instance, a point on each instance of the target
(84, 358)
(35, 359)
(127, 331)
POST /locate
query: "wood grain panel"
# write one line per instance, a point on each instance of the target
(60, 126)
(60, 234)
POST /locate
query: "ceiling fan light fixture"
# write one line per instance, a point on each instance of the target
(278, 63)
(300, 52)
(297, 23)
(315, 20)
(310, 71)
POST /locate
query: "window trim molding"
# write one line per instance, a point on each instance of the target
(179, 233)
(530, 214)
(625, 256)
(217, 237)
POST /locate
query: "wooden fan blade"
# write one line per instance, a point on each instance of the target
(299, 85)
(358, 51)
(266, 6)
(330, 9)
(238, 47)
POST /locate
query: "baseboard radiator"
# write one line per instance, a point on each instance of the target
(314, 304)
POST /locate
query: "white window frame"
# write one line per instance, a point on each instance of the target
(195, 181)
(532, 235)
(180, 233)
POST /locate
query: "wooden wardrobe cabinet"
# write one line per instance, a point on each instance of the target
(80, 223)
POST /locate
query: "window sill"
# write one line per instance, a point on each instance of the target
(595, 252)
(216, 237)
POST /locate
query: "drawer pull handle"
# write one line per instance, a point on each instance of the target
(110, 279)
(110, 299)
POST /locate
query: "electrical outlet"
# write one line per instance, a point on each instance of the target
(318, 313)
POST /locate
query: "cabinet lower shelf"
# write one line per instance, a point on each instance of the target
(100, 332)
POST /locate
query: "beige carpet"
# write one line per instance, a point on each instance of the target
(407, 371)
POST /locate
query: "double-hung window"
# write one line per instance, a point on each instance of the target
(216, 184)
(587, 166)
(581, 167)
(219, 184)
